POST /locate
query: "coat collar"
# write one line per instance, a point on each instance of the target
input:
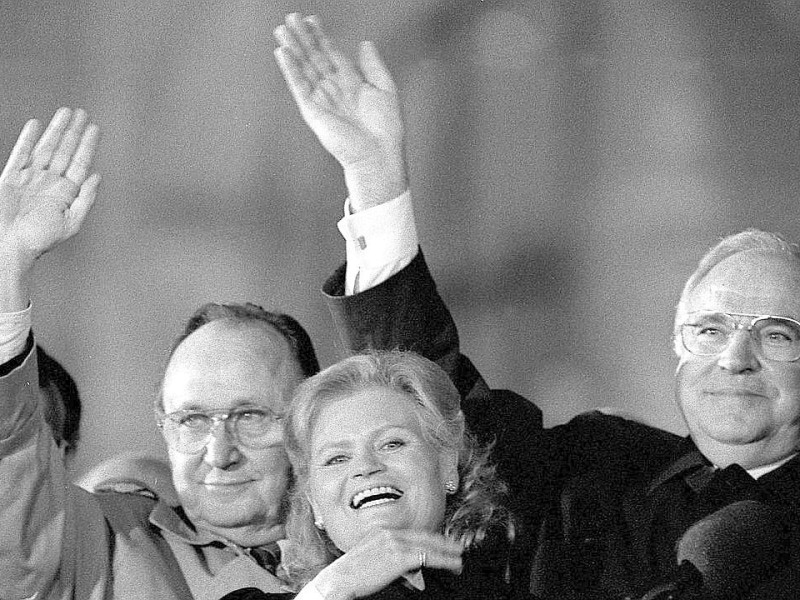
(781, 484)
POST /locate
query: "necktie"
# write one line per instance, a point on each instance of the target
(719, 487)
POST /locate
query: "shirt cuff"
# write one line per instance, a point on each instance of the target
(381, 241)
(14, 329)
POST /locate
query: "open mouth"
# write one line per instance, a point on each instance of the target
(375, 496)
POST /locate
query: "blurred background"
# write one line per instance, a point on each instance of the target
(570, 162)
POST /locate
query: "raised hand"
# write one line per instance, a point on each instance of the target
(45, 195)
(354, 111)
(44, 190)
(383, 557)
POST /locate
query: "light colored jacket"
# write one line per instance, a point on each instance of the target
(58, 541)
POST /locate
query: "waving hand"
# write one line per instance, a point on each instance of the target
(45, 190)
(354, 111)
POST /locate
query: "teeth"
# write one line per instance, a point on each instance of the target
(375, 496)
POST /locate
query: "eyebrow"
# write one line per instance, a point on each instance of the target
(342, 443)
(243, 404)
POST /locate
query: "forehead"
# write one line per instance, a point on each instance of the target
(363, 413)
(223, 365)
(750, 282)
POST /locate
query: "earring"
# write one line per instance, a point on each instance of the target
(450, 486)
(319, 524)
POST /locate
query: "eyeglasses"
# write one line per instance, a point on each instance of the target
(708, 333)
(188, 431)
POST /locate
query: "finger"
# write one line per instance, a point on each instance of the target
(44, 148)
(69, 141)
(282, 36)
(436, 560)
(320, 49)
(373, 67)
(439, 543)
(288, 40)
(82, 204)
(21, 153)
(418, 557)
(294, 75)
(304, 36)
(82, 159)
(286, 36)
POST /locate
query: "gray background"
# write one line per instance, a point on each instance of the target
(570, 162)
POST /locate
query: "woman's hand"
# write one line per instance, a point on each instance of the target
(383, 557)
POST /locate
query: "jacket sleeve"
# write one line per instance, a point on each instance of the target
(404, 312)
(45, 530)
(32, 492)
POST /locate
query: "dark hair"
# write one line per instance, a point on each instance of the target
(475, 507)
(62, 402)
(299, 341)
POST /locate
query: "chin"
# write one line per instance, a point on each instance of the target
(733, 435)
(229, 514)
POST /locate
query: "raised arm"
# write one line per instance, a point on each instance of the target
(355, 113)
(45, 193)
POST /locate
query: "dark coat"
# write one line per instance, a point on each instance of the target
(602, 501)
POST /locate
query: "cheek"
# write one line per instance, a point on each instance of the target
(688, 377)
(272, 467)
(789, 389)
(183, 466)
(322, 493)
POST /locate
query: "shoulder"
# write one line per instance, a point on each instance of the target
(616, 446)
(123, 513)
(132, 473)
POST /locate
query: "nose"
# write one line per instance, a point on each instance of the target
(366, 463)
(740, 354)
(221, 450)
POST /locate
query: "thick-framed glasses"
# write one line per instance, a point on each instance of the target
(189, 431)
(775, 338)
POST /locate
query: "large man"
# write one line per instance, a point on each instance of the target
(619, 496)
(220, 405)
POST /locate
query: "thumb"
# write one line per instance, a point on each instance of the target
(373, 67)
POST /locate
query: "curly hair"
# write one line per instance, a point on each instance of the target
(475, 507)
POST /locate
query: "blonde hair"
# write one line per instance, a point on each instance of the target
(476, 505)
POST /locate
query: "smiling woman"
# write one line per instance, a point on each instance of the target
(392, 497)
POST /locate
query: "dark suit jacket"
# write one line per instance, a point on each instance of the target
(602, 500)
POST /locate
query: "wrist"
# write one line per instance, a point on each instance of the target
(14, 283)
(375, 182)
(329, 585)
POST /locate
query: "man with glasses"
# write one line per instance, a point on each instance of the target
(220, 409)
(621, 501)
